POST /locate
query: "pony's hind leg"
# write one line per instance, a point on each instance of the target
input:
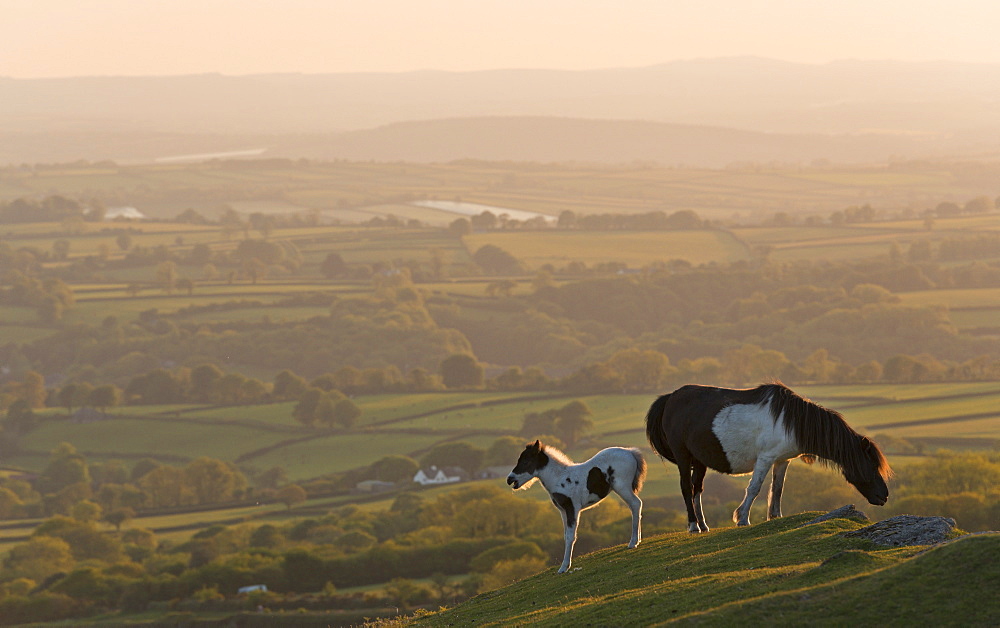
(777, 483)
(697, 488)
(687, 490)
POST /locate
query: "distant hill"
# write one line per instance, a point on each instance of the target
(601, 141)
(936, 107)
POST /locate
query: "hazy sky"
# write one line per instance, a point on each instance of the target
(45, 38)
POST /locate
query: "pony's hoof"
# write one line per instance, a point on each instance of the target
(743, 523)
(703, 528)
(563, 569)
(633, 545)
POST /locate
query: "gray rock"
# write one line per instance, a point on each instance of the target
(906, 530)
(844, 512)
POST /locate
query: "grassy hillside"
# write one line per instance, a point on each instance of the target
(772, 573)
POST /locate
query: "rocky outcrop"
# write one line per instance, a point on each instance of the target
(844, 512)
(906, 530)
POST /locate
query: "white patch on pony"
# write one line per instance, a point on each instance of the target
(747, 431)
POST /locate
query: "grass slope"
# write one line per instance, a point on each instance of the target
(775, 572)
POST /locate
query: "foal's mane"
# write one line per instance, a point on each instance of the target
(556, 455)
(822, 431)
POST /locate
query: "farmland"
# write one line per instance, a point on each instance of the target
(227, 343)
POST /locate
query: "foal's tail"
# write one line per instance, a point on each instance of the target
(640, 470)
(654, 428)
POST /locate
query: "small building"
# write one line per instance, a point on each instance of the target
(251, 589)
(434, 475)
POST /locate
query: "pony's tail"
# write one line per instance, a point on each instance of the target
(654, 428)
(640, 470)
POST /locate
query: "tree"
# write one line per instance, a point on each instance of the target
(166, 275)
(291, 495)
(454, 454)
(333, 266)
(493, 259)
(66, 467)
(38, 558)
(212, 480)
(503, 452)
(60, 249)
(119, 517)
(395, 468)
(33, 389)
(305, 410)
(460, 227)
(572, 421)
(287, 385)
(461, 370)
(86, 511)
(346, 413)
(186, 285)
(204, 379)
(644, 370)
(106, 396)
(67, 397)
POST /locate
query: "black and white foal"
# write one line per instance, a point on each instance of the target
(576, 487)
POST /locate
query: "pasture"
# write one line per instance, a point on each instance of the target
(779, 571)
(382, 188)
(635, 249)
(936, 415)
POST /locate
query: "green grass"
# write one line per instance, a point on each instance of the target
(636, 249)
(773, 573)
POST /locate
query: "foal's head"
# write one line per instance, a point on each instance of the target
(532, 460)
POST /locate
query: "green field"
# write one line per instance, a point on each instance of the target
(266, 435)
(635, 249)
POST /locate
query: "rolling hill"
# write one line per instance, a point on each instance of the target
(778, 573)
(850, 110)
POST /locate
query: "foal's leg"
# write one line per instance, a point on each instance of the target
(635, 505)
(570, 519)
(698, 487)
(742, 514)
(777, 482)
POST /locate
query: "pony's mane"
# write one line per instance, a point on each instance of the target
(822, 431)
(556, 455)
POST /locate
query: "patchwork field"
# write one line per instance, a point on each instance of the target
(635, 249)
(267, 435)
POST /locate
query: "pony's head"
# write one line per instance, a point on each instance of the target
(869, 472)
(532, 460)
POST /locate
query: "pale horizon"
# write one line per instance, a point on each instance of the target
(99, 38)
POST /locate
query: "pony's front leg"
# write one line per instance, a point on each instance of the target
(742, 514)
(777, 483)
